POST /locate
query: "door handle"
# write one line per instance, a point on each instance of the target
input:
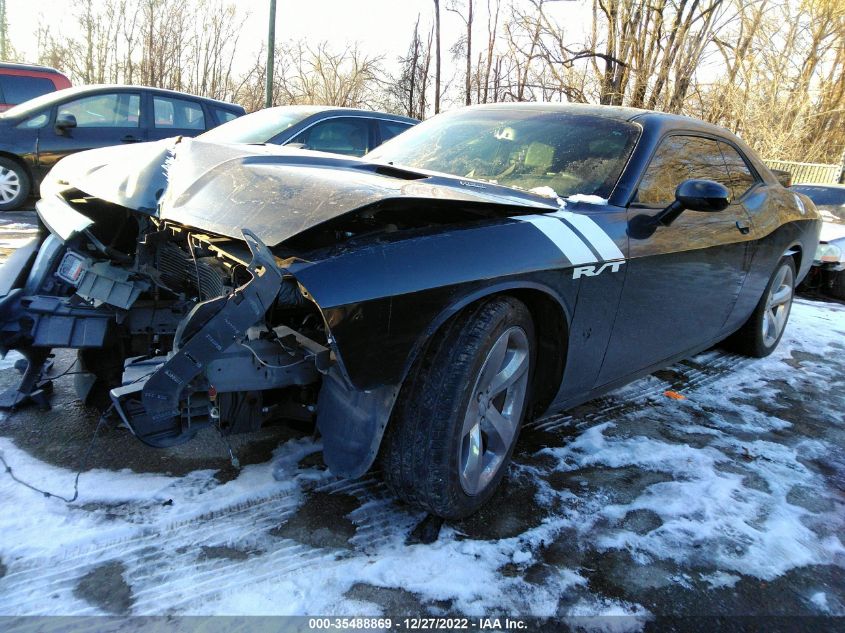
(743, 227)
(130, 139)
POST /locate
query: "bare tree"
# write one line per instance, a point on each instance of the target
(175, 44)
(492, 34)
(456, 8)
(412, 83)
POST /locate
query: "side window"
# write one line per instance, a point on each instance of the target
(389, 129)
(350, 136)
(107, 110)
(741, 178)
(177, 113)
(17, 89)
(680, 158)
(224, 116)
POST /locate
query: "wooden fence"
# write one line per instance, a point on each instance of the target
(807, 172)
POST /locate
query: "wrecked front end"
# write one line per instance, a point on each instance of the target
(177, 268)
(177, 329)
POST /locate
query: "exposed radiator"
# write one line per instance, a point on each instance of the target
(178, 272)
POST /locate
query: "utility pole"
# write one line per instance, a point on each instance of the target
(4, 32)
(271, 51)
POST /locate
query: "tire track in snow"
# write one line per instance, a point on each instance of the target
(156, 558)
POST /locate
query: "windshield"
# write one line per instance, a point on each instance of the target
(572, 154)
(258, 127)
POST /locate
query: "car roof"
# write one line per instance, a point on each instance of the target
(310, 110)
(612, 112)
(93, 88)
(32, 67)
(647, 118)
(98, 88)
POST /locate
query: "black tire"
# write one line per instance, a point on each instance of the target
(427, 454)
(14, 184)
(837, 285)
(751, 339)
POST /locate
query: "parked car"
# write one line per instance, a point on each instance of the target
(828, 272)
(323, 128)
(35, 135)
(490, 264)
(22, 82)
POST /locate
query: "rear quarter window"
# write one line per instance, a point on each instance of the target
(16, 89)
(224, 116)
(177, 113)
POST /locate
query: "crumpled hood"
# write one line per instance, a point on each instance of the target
(274, 191)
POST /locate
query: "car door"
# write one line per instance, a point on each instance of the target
(749, 190)
(108, 118)
(682, 280)
(173, 116)
(351, 136)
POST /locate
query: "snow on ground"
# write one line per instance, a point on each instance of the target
(15, 242)
(16, 229)
(736, 486)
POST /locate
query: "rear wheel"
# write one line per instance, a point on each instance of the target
(762, 332)
(458, 417)
(14, 184)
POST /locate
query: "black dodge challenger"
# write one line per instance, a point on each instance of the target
(491, 264)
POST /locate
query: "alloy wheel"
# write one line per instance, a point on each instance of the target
(778, 304)
(494, 410)
(10, 185)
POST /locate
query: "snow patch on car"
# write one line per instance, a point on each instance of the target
(548, 192)
(588, 199)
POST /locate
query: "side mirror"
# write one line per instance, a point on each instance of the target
(695, 195)
(65, 122)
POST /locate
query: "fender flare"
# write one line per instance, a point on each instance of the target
(352, 422)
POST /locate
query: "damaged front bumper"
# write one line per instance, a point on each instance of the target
(223, 355)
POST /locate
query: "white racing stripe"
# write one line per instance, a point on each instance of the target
(566, 240)
(593, 233)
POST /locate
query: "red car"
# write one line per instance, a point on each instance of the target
(22, 82)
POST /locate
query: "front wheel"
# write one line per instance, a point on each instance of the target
(458, 417)
(14, 184)
(762, 332)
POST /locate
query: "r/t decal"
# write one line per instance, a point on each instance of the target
(594, 271)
